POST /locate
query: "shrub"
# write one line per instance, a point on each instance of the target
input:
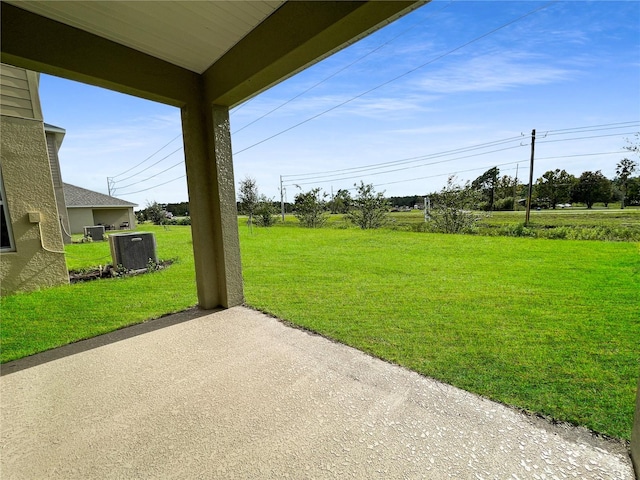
(248, 198)
(503, 204)
(156, 214)
(369, 208)
(265, 213)
(452, 209)
(517, 230)
(310, 208)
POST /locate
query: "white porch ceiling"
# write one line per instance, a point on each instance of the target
(189, 34)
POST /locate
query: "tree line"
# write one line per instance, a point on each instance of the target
(367, 209)
(448, 208)
(557, 188)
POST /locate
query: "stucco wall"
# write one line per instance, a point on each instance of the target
(58, 189)
(29, 188)
(80, 217)
(113, 216)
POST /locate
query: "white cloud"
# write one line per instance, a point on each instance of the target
(491, 72)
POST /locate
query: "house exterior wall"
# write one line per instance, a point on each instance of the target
(56, 176)
(114, 216)
(19, 93)
(28, 188)
(80, 217)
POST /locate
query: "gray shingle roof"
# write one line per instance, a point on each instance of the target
(81, 197)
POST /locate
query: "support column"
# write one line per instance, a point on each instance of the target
(212, 204)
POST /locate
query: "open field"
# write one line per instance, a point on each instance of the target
(550, 326)
(572, 223)
(566, 217)
(607, 224)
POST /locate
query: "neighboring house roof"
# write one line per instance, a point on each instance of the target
(76, 197)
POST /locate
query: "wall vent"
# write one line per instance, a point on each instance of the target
(96, 232)
(133, 250)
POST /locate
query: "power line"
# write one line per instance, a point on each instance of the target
(450, 173)
(408, 168)
(581, 155)
(330, 174)
(398, 77)
(494, 165)
(612, 125)
(150, 156)
(181, 162)
(407, 160)
(155, 186)
(379, 47)
(147, 168)
(486, 167)
(584, 138)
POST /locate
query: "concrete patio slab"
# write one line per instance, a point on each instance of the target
(237, 394)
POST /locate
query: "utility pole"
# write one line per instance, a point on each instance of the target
(515, 190)
(109, 180)
(427, 208)
(533, 144)
(281, 198)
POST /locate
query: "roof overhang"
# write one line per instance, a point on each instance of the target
(167, 50)
(57, 132)
(98, 207)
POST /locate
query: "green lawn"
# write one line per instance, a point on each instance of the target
(551, 326)
(37, 321)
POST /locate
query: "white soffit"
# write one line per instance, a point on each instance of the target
(190, 34)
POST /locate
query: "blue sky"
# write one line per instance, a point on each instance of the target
(433, 94)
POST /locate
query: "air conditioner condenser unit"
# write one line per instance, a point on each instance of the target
(133, 251)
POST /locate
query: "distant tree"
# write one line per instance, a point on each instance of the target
(592, 187)
(624, 170)
(506, 193)
(341, 202)
(265, 212)
(155, 213)
(554, 187)
(486, 184)
(248, 198)
(310, 208)
(633, 191)
(178, 209)
(506, 186)
(369, 209)
(407, 202)
(451, 208)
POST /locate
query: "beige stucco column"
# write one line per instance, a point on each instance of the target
(635, 435)
(212, 204)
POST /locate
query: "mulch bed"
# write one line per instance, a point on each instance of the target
(109, 271)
